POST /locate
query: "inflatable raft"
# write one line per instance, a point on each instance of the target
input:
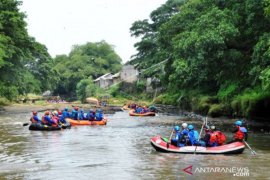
(161, 145)
(132, 113)
(86, 122)
(41, 127)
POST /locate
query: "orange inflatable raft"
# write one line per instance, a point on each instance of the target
(86, 122)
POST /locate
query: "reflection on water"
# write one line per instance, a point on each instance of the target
(120, 150)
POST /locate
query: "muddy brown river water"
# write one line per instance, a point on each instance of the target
(119, 150)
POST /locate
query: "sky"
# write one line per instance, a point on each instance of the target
(60, 24)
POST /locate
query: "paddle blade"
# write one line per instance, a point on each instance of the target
(25, 124)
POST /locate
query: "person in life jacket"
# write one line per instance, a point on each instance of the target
(81, 115)
(91, 115)
(183, 135)
(139, 110)
(35, 118)
(75, 113)
(65, 113)
(145, 109)
(46, 119)
(193, 136)
(240, 132)
(174, 141)
(99, 115)
(152, 108)
(61, 118)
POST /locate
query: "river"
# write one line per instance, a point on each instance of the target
(119, 150)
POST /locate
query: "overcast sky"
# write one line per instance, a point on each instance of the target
(59, 24)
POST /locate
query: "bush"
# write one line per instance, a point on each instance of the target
(4, 101)
(216, 110)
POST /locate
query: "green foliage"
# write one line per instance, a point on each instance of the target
(167, 98)
(85, 61)
(227, 92)
(4, 101)
(265, 78)
(86, 88)
(217, 48)
(8, 92)
(244, 104)
(216, 110)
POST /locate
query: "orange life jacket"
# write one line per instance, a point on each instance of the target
(218, 137)
(239, 135)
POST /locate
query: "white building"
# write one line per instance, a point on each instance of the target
(129, 74)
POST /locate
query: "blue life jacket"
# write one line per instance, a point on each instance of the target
(65, 114)
(193, 137)
(62, 119)
(74, 114)
(36, 118)
(81, 115)
(48, 120)
(99, 116)
(90, 115)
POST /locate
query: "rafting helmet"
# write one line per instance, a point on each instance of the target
(238, 123)
(190, 127)
(176, 128)
(184, 125)
(213, 127)
(55, 113)
(47, 113)
(76, 108)
(34, 113)
(66, 108)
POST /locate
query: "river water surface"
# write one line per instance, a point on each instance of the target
(119, 150)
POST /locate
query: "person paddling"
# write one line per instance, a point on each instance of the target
(193, 135)
(47, 120)
(240, 132)
(174, 141)
(35, 118)
(91, 115)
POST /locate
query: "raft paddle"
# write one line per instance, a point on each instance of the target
(168, 143)
(25, 124)
(204, 122)
(252, 151)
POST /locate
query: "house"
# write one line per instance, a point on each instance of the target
(104, 81)
(116, 78)
(129, 74)
(107, 80)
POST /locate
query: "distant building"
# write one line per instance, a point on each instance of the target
(129, 74)
(116, 78)
(104, 81)
(107, 80)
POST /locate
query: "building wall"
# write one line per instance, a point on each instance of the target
(128, 74)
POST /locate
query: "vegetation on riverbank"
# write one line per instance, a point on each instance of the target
(216, 52)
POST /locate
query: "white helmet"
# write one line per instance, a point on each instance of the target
(213, 127)
(184, 125)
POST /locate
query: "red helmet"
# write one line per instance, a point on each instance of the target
(76, 108)
(34, 113)
(59, 113)
(47, 113)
